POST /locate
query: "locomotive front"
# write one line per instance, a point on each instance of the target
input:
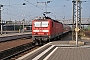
(40, 30)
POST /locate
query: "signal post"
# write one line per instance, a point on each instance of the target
(76, 27)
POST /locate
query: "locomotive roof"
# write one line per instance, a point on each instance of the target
(52, 19)
(48, 18)
(57, 21)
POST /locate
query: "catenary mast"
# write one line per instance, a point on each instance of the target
(76, 32)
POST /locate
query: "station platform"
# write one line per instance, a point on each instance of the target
(12, 34)
(60, 50)
(5, 37)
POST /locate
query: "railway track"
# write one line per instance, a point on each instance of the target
(9, 53)
(15, 51)
(13, 47)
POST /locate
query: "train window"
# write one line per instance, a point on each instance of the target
(52, 24)
(45, 24)
(41, 24)
(37, 24)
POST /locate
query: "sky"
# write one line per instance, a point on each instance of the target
(60, 9)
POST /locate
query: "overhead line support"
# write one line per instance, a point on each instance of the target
(76, 35)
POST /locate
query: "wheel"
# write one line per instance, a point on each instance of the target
(34, 42)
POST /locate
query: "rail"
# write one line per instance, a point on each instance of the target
(7, 54)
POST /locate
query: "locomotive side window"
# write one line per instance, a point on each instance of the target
(45, 24)
(37, 24)
(52, 24)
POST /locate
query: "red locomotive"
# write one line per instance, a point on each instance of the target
(46, 29)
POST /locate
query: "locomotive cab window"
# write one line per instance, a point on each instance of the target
(41, 24)
(45, 24)
(37, 24)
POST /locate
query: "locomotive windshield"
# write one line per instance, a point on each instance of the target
(41, 24)
(44, 24)
(37, 24)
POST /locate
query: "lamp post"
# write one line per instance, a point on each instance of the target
(23, 22)
(14, 25)
(0, 18)
(23, 19)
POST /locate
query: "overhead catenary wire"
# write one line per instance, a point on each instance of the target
(34, 5)
(26, 1)
(18, 11)
(61, 13)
